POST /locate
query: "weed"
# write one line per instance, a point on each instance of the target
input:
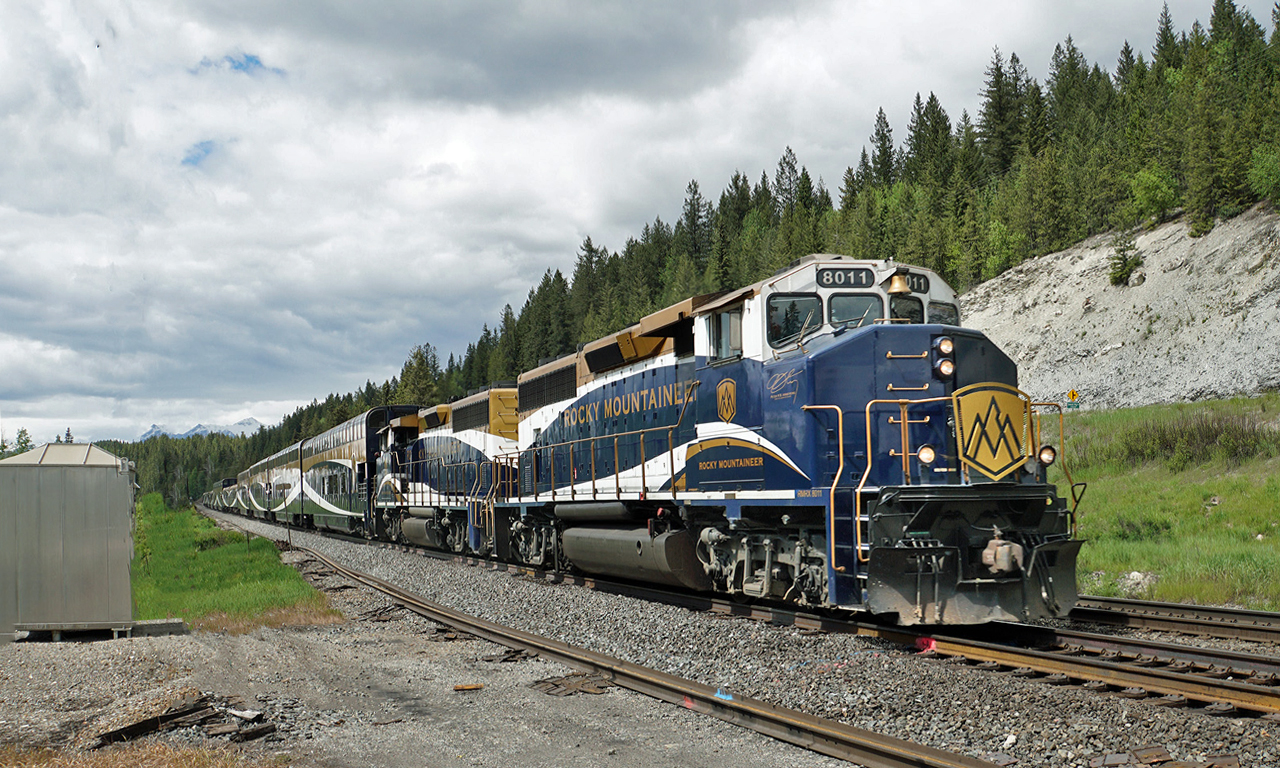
(187, 567)
(1183, 492)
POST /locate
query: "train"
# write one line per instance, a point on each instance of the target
(830, 437)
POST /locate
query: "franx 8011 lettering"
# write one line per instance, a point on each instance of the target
(831, 436)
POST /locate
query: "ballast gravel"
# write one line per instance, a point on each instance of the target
(376, 690)
(865, 682)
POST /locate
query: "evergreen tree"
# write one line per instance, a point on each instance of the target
(1000, 117)
(692, 233)
(882, 163)
(504, 363)
(849, 188)
(763, 200)
(1036, 119)
(785, 179)
(864, 175)
(585, 288)
(1168, 50)
(419, 378)
(1125, 65)
(912, 168)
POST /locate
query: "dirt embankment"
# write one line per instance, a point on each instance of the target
(1199, 319)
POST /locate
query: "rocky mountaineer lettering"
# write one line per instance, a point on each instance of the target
(651, 398)
(750, 461)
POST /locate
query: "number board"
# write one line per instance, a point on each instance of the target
(846, 278)
(918, 283)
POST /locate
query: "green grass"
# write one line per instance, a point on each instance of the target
(1187, 492)
(186, 567)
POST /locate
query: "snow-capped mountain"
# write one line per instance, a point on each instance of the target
(244, 426)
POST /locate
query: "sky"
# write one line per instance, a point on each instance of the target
(214, 209)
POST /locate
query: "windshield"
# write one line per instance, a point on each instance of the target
(791, 312)
(855, 309)
(942, 313)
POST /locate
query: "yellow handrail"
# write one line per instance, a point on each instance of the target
(906, 452)
(1062, 436)
(831, 524)
(617, 473)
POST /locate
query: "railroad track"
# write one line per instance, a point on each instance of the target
(1207, 620)
(1221, 682)
(825, 736)
(819, 735)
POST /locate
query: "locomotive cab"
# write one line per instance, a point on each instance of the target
(907, 431)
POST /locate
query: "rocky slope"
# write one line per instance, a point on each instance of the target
(1199, 319)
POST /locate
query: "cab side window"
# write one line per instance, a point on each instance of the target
(726, 334)
(907, 308)
(942, 313)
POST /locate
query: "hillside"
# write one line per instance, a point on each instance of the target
(1199, 319)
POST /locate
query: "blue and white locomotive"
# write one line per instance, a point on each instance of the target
(830, 436)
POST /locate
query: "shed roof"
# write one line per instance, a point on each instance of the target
(66, 455)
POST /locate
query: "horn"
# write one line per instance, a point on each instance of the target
(898, 283)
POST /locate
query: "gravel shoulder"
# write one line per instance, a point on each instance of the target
(376, 690)
(337, 692)
(861, 681)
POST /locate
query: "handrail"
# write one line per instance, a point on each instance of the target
(831, 525)
(906, 451)
(436, 493)
(1062, 436)
(617, 473)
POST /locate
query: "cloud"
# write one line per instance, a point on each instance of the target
(211, 207)
(502, 53)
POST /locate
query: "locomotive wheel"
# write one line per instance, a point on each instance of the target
(395, 526)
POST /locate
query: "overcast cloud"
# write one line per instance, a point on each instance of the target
(213, 210)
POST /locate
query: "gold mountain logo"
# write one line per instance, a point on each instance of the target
(992, 426)
(727, 399)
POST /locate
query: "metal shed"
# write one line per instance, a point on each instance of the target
(66, 539)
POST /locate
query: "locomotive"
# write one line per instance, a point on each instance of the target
(829, 437)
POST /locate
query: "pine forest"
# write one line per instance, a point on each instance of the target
(1190, 129)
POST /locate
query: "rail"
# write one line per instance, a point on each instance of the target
(823, 736)
(1210, 620)
(1140, 668)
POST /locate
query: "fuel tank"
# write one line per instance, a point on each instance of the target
(668, 558)
(421, 532)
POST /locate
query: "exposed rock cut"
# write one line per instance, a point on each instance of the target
(1199, 319)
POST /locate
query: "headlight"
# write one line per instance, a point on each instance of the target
(944, 345)
(945, 368)
(926, 454)
(1048, 454)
